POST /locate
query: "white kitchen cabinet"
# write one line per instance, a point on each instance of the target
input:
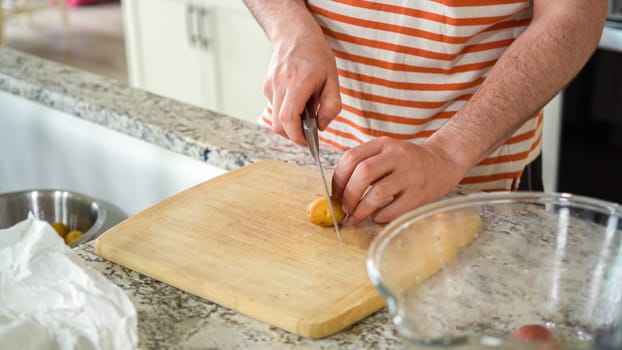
(211, 53)
(551, 142)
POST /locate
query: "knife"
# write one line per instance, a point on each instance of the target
(310, 131)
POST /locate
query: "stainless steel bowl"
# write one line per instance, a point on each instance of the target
(77, 211)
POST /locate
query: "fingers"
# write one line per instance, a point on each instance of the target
(382, 193)
(348, 163)
(277, 126)
(285, 120)
(292, 107)
(364, 180)
(371, 180)
(391, 211)
(330, 102)
(288, 103)
(385, 178)
(291, 104)
(294, 76)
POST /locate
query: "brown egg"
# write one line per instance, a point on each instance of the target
(61, 229)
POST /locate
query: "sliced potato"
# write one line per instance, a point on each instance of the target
(61, 229)
(318, 212)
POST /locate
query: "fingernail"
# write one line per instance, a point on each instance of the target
(351, 221)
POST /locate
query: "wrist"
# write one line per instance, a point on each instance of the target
(285, 21)
(453, 152)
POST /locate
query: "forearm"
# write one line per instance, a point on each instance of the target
(561, 37)
(282, 18)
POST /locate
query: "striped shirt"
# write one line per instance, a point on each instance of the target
(406, 66)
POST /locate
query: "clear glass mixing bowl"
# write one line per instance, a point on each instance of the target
(467, 272)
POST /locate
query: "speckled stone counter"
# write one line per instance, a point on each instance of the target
(220, 140)
(168, 317)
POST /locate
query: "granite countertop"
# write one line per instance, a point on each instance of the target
(168, 317)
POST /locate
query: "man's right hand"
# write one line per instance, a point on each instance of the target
(302, 66)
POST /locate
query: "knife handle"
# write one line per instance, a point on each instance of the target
(310, 129)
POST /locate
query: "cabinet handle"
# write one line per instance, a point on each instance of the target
(204, 40)
(190, 32)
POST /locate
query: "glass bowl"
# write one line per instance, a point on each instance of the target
(468, 272)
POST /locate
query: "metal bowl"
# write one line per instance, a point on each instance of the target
(77, 211)
(471, 271)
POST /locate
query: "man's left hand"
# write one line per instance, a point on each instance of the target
(384, 178)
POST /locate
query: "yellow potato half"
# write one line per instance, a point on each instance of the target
(318, 212)
(61, 229)
(73, 236)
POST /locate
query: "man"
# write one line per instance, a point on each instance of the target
(423, 95)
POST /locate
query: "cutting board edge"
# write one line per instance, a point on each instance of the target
(324, 325)
(315, 325)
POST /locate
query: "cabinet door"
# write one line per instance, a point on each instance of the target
(242, 55)
(211, 53)
(164, 55)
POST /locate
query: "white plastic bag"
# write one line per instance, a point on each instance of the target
(49, 299)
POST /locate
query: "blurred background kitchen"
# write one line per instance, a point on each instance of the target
(212, 53)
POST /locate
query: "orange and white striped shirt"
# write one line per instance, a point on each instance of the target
(406, 66)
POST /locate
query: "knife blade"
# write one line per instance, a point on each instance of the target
(310, 131)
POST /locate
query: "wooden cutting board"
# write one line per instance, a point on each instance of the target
(243, 240)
